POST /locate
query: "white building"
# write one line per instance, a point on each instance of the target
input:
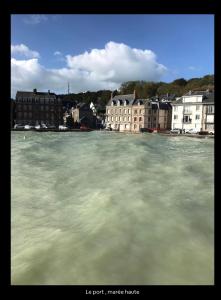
(194, 110)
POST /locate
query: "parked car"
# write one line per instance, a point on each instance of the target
(192, 131)
(44, 126)
(37, 127)
(176, 130)
(18, 126)
(28, 127)
(211, 131)
(85, 128)
(62, 127)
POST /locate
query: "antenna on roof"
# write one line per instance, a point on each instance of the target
(68, 89)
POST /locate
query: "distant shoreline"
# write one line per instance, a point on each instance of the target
(129, 132)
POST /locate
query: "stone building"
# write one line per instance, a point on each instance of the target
(33, 108)
(119, 112)
(128, 113)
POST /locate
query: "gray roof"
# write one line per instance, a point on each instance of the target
(25, 94)
(142, 101)
(169, 97)
(164, 105)
(130, 98)
(83, 105)
(207, 96)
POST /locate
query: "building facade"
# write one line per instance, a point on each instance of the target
(119, 112)
(36, 108)
(83, 114)
(128, 113)
(194, 110)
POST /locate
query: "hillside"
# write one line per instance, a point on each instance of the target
(144, 89)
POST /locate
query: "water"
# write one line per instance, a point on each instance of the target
(106, 208)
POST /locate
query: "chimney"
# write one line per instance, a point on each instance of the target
(34, 91)
(135, 94)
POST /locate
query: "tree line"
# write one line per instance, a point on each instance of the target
(144, 89)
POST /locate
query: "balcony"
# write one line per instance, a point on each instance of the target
(189, 121)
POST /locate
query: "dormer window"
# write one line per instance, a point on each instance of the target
(113, 103)
(119, 102)
(126, 102)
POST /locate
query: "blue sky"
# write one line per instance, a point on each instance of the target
(54, 46)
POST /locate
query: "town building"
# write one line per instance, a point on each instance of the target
(83, 114)
(119, 112)
(36, 108)
(194, 110)
(128, 113)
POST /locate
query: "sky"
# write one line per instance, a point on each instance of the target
(94, 52)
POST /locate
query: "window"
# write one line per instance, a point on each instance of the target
(175, 117)
(125, 126)
(198, 107)
(135, 119)
(112, 111)
(148, 119)
(197, 117)
(108, 111)
(115, 118)
(125, 118)
(128, 119)
(187, 119)
(140, 111)
(210, 109)
(149, 112)
(135, 126)
(135, 111)
(119, 118)
(119, 111)
(125, 111)
(128, 111)
(112, 118)
(175, 108)
(140, 119)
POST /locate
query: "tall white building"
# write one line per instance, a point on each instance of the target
(194, 110)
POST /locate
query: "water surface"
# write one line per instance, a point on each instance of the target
(107, 208)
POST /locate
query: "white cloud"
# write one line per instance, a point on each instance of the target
(192, 68)
(57, 53)
(23, 50)
(98, 69)
(35, 19)
(117, 63)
